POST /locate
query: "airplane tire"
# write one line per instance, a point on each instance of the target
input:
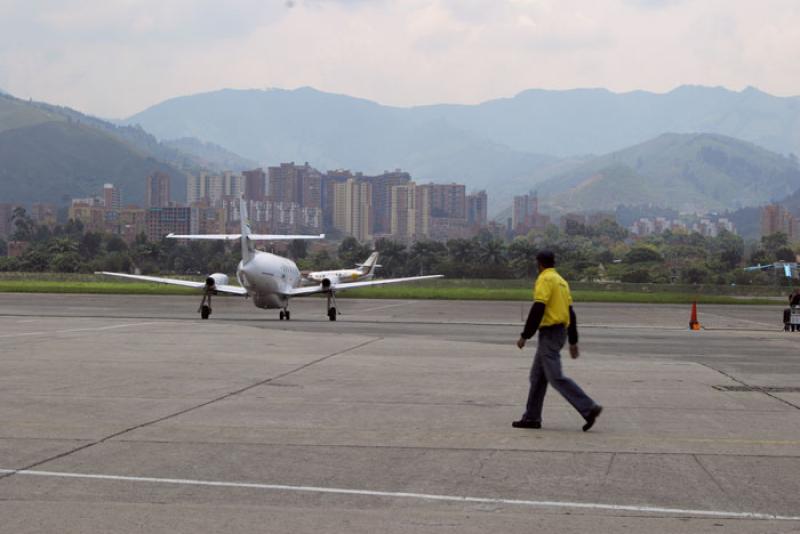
(288, 316)
(282, 315)
(332, 314)
(205, 311)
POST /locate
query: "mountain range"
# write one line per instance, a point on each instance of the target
(693, 149)
(688, 172)
(52, 153)
(505, 145)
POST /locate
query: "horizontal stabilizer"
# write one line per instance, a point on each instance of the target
(251, 237)
(280, 237)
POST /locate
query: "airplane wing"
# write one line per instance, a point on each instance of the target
(210, 237)
(760, 267)
(251, 237)
(312, 290)
(229, 289)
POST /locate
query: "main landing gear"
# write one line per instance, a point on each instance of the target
(205, 305)
(284, 314)
(332, 306)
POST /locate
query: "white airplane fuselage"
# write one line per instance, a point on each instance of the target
(268, 279)
(342, 275)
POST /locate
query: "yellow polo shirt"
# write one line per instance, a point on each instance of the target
(553, 291)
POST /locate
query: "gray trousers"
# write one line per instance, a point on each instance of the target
(547, 369)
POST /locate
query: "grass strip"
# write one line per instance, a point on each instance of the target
(466, 291)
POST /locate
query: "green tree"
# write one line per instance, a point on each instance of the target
(351, 252)
(298, 249)
(425, 256)
(772, 243)
(116, 244)
(24, 226)
(522, 257)
(392, 257)
(642, 254)
(90, 245)
(66, 262)
(3, 247)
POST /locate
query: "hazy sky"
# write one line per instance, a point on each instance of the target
(115, 57)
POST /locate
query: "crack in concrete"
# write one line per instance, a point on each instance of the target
(743, 383)
(713, 478)
(189, 409)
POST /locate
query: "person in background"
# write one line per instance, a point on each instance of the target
(552, 315)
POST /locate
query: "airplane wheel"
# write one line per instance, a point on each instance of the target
(282, 315)
(288, 316)
(205, 311)
(332, 314)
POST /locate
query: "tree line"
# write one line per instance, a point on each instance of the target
(605, 252)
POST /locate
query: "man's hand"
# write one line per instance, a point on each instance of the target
(521, 343)
(574, 351)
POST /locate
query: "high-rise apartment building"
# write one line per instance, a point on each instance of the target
(132, 223)
(327, 183)
(410, 212)
(112, 198)
(525, 214)
(352, 213)
(255, 184)
(299, 184)
(477, 209)
(212, 188)
(44, 214)
(167, 220)
(775, 218)
(449, 200)
(157, 191)
(382, 198)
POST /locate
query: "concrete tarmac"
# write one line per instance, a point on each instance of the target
(130, 414)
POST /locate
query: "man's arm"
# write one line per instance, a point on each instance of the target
(532, 324)
(572, 334)
(572, 331)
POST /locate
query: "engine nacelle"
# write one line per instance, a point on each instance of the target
(216, 279)
(329, 281)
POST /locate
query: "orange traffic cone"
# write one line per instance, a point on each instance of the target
(694, 324)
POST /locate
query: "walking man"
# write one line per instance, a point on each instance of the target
(553, 316)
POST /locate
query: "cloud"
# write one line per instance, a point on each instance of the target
(115, 57)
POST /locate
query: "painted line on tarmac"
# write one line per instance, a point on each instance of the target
(406, 495)
(76, 330)
(356, 312)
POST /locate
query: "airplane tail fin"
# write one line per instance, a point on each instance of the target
(247, 243)
(247, 237)
(368, 267)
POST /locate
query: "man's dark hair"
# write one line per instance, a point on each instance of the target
(546, 258)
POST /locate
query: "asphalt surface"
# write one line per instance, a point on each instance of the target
(129, 414)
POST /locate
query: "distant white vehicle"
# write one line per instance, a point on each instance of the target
(789, 268)
(271, 280)
(362, 271)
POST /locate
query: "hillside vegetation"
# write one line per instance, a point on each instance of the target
(687, 172)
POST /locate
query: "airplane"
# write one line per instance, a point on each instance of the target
(789, 268)
(270, 280)
(363, 271)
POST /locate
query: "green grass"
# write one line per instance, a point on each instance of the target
(112, 288)
(442, 289)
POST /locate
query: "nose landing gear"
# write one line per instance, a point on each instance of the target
(205, 305)
(284, 314)
(332, 312)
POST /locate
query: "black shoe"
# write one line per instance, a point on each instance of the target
(524, 423)
(592, 417)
